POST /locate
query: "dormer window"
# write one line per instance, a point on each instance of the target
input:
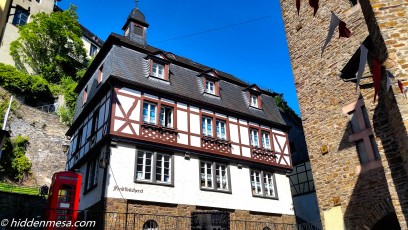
(211, 84)
(209, 87)
(254, 96)
(254, 101)
(158, 70)
(159, 66)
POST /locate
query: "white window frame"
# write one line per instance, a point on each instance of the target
(157, 70)
(254, 139)
(206, 129)
(263, 184)
(210, 87)
(209, 179)
(254, 100)
(266, 144)
(219, 124)
(157, 166)
(166, 116)
(148, 120)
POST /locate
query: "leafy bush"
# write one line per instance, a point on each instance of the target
(14, 162)
(66, 115)
(4, 102)
(32, 87)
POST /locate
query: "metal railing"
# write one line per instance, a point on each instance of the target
(52, 108)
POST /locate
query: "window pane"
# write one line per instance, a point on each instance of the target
(256, 183)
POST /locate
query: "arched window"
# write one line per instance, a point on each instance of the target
(150, 225)
(266, 228)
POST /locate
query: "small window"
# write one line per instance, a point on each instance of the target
(158, 70)
(149, 113)
(95, 120)
(20, 16)
(85, 96)
(263, 184)
(254, 101)
(100, 74)
(207, 126)
(214, 176)
(166, 117)
(353, 2)
(221, 129)
(153, 167)
(93, 50)
(92, 174)
(253, 135)
(209, 87)
(79, 139)
(266, 142)
(150, 225)
(138, 30)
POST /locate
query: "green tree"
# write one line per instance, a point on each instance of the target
(33, 87)
(51, 45)
(14, 162)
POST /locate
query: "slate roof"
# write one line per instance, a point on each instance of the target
(126, 61)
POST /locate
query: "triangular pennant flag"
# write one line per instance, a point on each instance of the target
(401, 86)
(376, 77)
(315, 5)
(405, 92)
(389, 74)
(298, 6)
(362, 64)
(343, 30)
(334, 22)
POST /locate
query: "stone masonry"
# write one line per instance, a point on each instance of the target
(46, 136)
(366, 193)
(178, 216)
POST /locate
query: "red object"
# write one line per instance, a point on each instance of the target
(401, 86)
(63, 198)
(315, 5)
(298, 6)
(376, 77)
(343, 30)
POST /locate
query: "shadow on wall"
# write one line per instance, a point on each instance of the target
(370, 204)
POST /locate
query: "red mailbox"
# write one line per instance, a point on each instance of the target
(63, 198)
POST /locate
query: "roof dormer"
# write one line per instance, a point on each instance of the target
(159, 65)
(254, 96)
(210, 79)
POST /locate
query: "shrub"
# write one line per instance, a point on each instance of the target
(14, 162)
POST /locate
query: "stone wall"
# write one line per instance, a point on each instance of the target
(366, 193)
(178, 216)
(46, 136)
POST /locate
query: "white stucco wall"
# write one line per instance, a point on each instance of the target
(186, 189)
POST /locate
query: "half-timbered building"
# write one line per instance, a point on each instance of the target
(156, 133)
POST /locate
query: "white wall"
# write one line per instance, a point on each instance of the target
(186, 188)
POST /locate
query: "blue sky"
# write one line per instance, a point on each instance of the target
(255, 50)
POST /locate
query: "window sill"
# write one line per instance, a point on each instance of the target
(160, 128)
(215, 190)
(212, 94)
(158, 78)
(266, 197)
(217, 140)
(264, 151)
(154, 183)
(251, 106)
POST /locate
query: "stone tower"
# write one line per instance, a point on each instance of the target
(358, 148)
